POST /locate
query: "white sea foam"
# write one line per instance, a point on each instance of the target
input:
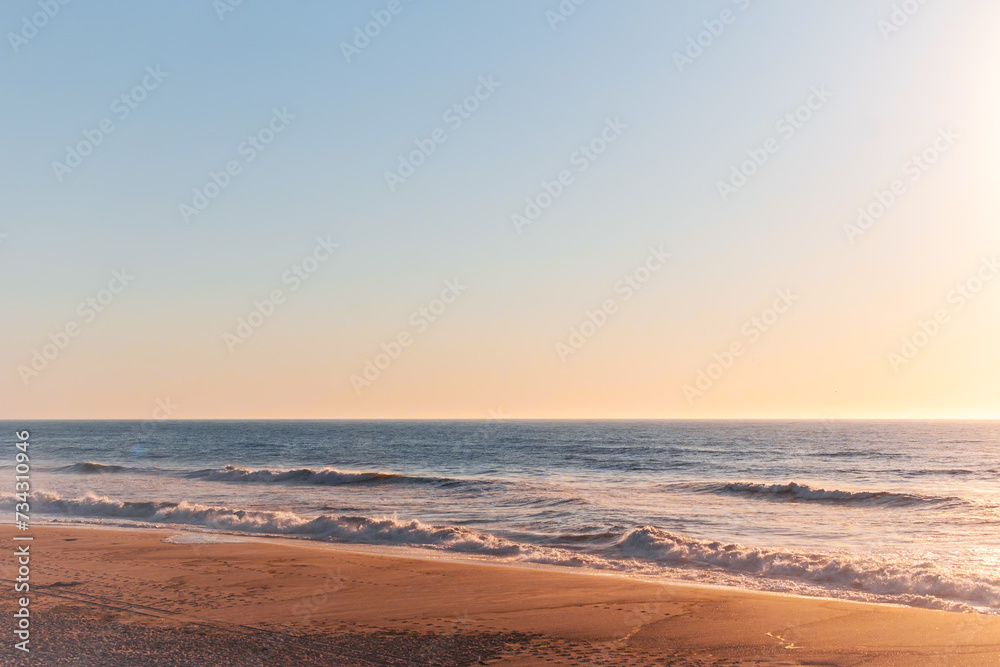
(853, 572)
(645, 550)
(383, 530)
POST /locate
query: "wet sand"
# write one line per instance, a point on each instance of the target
(126, 597)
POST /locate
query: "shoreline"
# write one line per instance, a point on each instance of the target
(442, 555)
(291, 601)
(432, 555)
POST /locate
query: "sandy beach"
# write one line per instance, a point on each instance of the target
(128, 597)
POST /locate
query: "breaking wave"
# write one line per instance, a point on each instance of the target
(804, 492)
(645, 550)
(342, 528)
(323, 476)
(919, 584)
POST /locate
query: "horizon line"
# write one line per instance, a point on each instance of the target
(512, 419)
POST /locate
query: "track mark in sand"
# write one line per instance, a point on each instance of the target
(788, 645)
(371, 647)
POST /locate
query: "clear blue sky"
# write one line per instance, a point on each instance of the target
(655, 185)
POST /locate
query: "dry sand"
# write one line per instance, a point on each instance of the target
(126, 597)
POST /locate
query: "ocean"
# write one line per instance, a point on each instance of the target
(881, 511)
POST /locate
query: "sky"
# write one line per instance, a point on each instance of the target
(527, 209)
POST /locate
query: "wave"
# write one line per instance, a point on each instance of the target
(323, 476)
(645, 550)
(305, 476)
(803, 492)
(387, 530)
(918, 584)
(947, 471)
(857, 453)
(92, 468)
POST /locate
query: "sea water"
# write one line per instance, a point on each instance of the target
(883, 511)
